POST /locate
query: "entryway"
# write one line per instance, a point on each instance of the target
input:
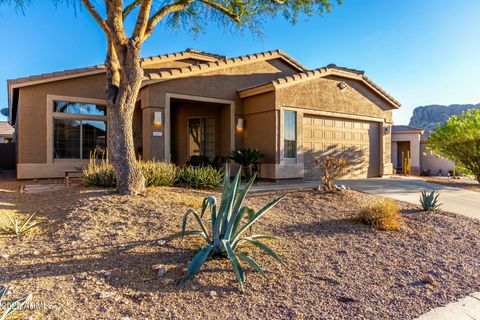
(200, 131)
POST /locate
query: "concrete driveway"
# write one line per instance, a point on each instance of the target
(454, 200)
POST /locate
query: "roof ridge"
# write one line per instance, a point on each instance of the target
(317, 72)
(101, 67)
(223, 62)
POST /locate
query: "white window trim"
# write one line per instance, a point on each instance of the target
(59, 115)
(284, 160)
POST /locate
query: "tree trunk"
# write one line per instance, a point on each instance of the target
(121, 98)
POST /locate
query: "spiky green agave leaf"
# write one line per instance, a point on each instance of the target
(197, 262)
(228, 210)
(255, 237)
(14, 305)
(265, 249)
(255, 217)
(199, 221)
(252, 263)
(237, 268)
(238, 210)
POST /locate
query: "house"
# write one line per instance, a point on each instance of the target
(412, 140)
(6, 132)
(194, 103)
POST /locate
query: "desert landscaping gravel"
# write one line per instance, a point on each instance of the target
(96, 255)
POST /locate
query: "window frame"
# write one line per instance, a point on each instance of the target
(52, 116)
(283, 155)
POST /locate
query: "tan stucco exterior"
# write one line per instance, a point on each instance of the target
(213, 88)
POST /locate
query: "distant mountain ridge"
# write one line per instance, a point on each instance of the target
(428, 117)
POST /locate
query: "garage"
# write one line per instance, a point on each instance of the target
(357, 140)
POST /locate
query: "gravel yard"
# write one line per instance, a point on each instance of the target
(91, 258)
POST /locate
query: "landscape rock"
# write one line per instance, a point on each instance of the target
(429, 280)
(167, 281)
(105, 295)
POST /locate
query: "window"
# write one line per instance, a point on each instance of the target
(78, 130)
(201, 137)
(79, 108)
(289, 134)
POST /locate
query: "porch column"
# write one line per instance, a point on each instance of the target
(155, 127)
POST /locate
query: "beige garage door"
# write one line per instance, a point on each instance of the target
(359, 141)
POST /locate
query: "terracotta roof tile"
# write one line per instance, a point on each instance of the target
(102, 67)
(318, 72)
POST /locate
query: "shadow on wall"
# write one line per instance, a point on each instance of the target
(355, 156)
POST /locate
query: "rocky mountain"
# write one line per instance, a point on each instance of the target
(428, 117)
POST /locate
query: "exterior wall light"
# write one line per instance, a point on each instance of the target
(157, 119)
(342, 85)
(240, 124)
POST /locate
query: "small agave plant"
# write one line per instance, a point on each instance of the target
(16, 228)
(429, 201)
(226, 233)
(13, 306)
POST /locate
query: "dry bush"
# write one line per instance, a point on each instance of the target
(333, 168)
(382, 215)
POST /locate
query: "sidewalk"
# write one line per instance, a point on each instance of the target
(467, 308)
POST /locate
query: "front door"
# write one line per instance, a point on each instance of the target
(201, 137)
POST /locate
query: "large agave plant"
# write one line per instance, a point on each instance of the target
(429, 201)
(13, 306)
(227, 229)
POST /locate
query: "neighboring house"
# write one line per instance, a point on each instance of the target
(6, 132)
(193, 103)
(413, 141)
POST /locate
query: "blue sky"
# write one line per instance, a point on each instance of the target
(421, 52)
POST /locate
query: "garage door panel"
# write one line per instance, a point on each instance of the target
(358, 141)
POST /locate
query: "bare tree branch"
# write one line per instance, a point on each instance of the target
(115, 21)
(226, 11)
(142, 21)
(162, 12)
(94, 13)
(130, 8)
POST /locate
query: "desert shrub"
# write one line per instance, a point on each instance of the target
(332, 168)
(382, 215)
(458, 140)
(225, 236)
(101, 174)
(429, 201)
(158, 173)
(199, 177)
(17, 228)
(98, 173)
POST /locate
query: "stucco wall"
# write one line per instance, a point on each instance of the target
(32, 112)
(324, 94)
(428, 161)
(221, 84)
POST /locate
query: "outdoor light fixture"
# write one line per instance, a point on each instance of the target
(157, 118)
(240, 124)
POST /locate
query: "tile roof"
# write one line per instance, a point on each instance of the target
(101, 68)
(400, 128)
(210, 66)
(6, 129)
(324, 72)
